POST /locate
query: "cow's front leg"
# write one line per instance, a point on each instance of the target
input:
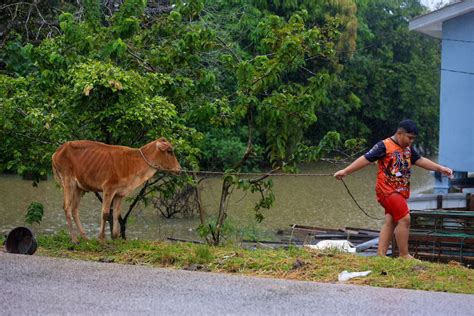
(68, 205)
(116, 214)
(105, 213)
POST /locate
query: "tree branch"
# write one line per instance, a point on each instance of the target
(141, 61)
(249, 149)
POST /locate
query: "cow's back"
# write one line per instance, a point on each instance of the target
(91, 164)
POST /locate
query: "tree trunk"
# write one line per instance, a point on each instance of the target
(227, 184)
(202, 212)
(222, 211)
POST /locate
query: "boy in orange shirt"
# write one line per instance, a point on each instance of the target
(395, 157)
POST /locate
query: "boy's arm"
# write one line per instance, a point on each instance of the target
(358, 164)
(430, 165)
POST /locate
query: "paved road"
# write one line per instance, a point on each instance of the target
(39, 285)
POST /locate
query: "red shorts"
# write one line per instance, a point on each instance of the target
(394, 204)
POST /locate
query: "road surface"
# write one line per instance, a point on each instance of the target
(39, 285)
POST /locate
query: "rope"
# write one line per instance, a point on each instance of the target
(355, 201)
(289, 175)
(270, 174)
(150, 164)
(221, 173)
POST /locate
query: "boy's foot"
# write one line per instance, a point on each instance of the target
(410, 257)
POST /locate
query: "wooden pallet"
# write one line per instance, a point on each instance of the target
(454, 221)
(442, 247)
(441, 235)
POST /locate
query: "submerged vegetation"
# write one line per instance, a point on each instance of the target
(292, 263)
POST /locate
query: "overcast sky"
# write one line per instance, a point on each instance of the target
(434, 4)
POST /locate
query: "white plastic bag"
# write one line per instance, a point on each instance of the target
(345, 276)
(342, 245)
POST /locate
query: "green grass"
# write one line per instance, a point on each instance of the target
(294, 263)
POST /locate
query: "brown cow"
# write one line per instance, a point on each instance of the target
(83, 165)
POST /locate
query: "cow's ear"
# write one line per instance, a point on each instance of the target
(163, 145)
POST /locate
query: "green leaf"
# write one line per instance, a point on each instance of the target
(34, 213)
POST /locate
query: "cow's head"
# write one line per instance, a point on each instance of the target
(166, 158)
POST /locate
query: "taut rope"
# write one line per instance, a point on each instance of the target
(270, 174)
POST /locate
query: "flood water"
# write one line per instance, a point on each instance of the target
(313, 201)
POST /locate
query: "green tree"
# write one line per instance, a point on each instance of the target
(235, 85)
(394, 74)
(269, 96)
(80, 85)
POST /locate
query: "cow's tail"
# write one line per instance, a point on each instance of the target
(56, 174)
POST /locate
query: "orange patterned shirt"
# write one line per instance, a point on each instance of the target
(394, 163)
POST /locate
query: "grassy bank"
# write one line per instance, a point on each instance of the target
(295, 263)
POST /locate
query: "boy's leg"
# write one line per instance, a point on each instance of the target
(386, 234)
(402, 231)
(396, 207)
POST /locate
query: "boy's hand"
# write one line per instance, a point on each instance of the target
(446, 171)
(359, 163)
(340, 174)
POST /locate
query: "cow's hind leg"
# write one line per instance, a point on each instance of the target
(69, 189)
(117, 203)
(75, 212)
(107, 201)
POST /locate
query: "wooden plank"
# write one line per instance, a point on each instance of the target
(443, 249)
(313, 228)
(454, 246)
(437, 254)
(428, 230)
(443, 214)
(435, 247)
(442, 227)
(330, 236)
(470, 201)
(443, 221)
(438, 238)
(443, 258)
(370, 232)
(432, 201)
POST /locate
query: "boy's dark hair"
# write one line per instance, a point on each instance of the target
(408, 126)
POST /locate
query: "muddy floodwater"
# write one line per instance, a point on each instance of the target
(314, 201)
